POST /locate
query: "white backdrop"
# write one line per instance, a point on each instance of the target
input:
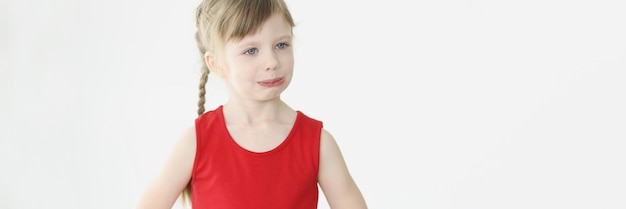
(435, 104)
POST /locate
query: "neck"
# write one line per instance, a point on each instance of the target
(254, 112)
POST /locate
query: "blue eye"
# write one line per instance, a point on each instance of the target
(251, 51)
(282, 45)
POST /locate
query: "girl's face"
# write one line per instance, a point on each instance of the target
(260, 66)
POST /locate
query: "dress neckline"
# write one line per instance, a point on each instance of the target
(280, 146)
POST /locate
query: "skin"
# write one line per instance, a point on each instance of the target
(256, 117)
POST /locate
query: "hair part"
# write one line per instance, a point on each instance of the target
(221, 21)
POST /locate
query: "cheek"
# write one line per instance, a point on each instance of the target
(287, 62)
(245, 76)
(239, 69)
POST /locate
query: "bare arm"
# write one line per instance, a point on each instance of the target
(339, 188)
(174, 175)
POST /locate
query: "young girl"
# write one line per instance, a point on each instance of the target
(254, 151)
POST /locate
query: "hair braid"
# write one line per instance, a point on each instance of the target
(203, 80)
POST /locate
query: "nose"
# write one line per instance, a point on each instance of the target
(272, 62)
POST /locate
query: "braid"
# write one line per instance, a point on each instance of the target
(203, 80)
(204, 76)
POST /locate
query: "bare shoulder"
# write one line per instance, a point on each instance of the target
(326, 137)
(188, 138)
(174, 174)
(334, 177)
(184, 150)
(331, 159)
(182, 155)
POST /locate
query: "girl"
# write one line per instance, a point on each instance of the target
(254, 151)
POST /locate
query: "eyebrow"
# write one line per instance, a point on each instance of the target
(285, 37)
(254, 42)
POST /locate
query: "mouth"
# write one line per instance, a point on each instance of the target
(272, 82)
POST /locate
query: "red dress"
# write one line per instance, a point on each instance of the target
(227, 176)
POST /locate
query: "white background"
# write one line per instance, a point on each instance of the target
(435, 104)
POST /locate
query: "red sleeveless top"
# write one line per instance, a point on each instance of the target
(227, 176)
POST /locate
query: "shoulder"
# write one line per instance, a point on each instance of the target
(208, 121)
(183, 154)
(188, 135)
(186, 145)
(326, 136)
(328, 144)
(310, 121)
(210, 115)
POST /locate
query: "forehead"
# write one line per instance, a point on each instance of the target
(275, 27)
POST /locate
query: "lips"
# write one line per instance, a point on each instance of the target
(272, 82)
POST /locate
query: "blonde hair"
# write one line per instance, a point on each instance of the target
(220, 21)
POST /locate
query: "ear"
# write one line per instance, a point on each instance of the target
(214, 66)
